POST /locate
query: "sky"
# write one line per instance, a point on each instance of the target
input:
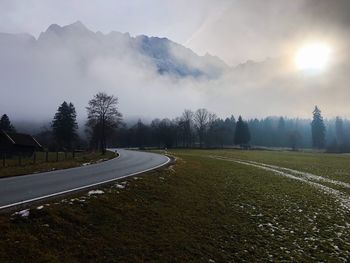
(234, 30)
(176, 20)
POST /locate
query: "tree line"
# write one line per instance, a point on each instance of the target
(204, 129)
(201, 129)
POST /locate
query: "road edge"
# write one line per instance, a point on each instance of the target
(78, 189)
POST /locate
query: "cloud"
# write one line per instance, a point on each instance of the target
(254, 29)
(36, 78)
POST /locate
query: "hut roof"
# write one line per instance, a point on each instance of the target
(21, 139)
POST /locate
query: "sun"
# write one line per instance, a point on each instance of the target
(314, 56)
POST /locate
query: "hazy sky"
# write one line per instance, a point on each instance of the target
(236, 31)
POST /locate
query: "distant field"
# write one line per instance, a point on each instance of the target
(27, 166)
(212, 206)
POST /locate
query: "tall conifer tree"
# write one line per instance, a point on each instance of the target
(64, 125)
(242, 133)
(318, 130)
(5, 124)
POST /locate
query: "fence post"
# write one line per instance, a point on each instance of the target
(65, 155)
(73, 154)
(57, 156)
(47, 156)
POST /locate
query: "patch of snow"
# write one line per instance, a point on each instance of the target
(95, 192)
(120, 186)
(40, 207)
(339, 196)
(85, 164)
(23, 213)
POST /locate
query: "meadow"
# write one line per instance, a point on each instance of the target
(210, 206)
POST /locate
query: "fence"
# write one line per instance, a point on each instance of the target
(22, 159)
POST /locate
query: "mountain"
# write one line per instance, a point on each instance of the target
(154, 77)
(150, 75)
(165, 55)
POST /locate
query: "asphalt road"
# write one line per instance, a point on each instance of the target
(28, 188)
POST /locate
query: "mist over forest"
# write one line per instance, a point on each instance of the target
(154, 78)
(157, 78)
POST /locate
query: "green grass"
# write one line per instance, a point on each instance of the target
(27, 166)
(333, 166)
(198, 210)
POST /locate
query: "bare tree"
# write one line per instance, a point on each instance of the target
(103, 118)
(212, 118)
(201, 119)
(187, 125)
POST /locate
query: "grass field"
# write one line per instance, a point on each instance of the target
(27, 166)
(211, 206)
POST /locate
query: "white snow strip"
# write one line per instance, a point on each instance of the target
(23, 213)
(95, 192)
(339, 196)
(309, 176)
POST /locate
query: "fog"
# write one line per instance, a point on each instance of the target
(38, 73)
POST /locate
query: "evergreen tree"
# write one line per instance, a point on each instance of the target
(229, 130)
(242, 134)
(318, 130)
(141, 134)
(339, 130)
(5, 124)
(281, 130)
(294, 139)
(64, 125)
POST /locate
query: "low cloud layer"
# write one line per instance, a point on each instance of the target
(37, 75)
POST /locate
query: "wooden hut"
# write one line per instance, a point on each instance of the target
(18, 143)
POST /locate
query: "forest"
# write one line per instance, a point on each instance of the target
(192, 129)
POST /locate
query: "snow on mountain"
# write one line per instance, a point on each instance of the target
(73, 63)
(167, 56)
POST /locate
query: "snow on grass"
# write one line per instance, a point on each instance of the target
(343, 199)
(306, 175)
(121, 185)
(313, 234)
(40, 207)
(95, 192)
(22, 213)
(309, 176)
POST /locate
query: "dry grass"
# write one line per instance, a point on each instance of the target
(199, 210)
(27, 166)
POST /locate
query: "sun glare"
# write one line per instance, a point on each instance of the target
(312, 57)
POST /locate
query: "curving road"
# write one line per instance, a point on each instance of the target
(24, 189)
